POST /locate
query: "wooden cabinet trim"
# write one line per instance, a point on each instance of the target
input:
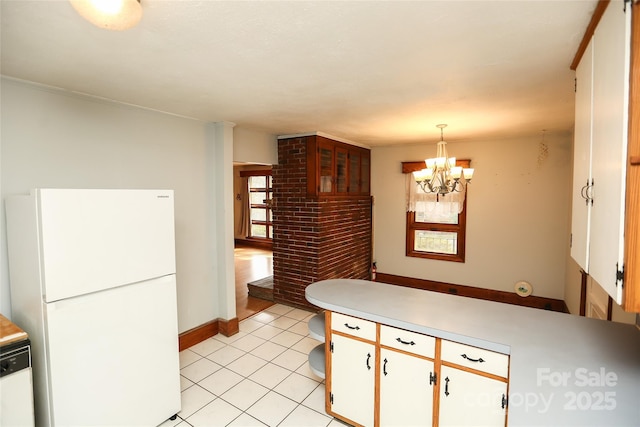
(632, 199)
(376, 382)
(354, 337)
(591, 28)
(408, 353)
(327, 362)
(437, 365)
(475, 371)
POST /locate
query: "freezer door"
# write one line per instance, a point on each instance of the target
(113, 356)
(99, 239)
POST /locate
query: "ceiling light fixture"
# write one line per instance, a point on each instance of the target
(110, 14)
(442, 176)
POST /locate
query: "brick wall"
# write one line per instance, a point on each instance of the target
(314, 238)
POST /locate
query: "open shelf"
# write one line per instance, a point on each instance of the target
(316, 360)
(316, 327)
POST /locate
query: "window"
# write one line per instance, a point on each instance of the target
(260, 199)
(435, 231)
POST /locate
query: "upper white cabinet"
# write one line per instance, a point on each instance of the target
(581, 211)
(601, 136)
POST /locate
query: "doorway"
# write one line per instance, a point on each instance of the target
(253, 256)
(251, 264)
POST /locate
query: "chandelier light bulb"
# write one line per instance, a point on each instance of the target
(456, 172)
(468, 174)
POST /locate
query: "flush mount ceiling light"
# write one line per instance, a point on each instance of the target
(442, 176)
(110, 14)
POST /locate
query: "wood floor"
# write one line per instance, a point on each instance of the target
(251, 264)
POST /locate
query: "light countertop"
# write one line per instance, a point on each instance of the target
(564, 369)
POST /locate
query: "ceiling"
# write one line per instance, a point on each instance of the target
(373, 72)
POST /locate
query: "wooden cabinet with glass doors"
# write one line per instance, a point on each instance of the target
(336, 169)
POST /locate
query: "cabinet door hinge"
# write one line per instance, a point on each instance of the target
(433, 378)
(575, 84)
(624, 7)
(620, 275)
(331, 346)
(331, 398)
(505, 401)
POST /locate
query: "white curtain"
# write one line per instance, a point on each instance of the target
(243, 225)
(430, 204)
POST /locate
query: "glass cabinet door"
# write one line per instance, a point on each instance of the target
(341, 171)
(326, 169)
(364, 175)
(354, 173)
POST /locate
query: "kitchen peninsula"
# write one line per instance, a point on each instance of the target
(560, 369)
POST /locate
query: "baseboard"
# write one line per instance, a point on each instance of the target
(473, 292)
(229, 327)
(207, 330)
(254, 243)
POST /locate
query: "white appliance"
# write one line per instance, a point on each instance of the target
(16, 387)
(93, 284)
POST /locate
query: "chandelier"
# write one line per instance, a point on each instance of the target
(442, 176)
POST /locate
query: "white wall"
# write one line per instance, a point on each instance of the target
(252, 146)
(52, 138)
(518, 221)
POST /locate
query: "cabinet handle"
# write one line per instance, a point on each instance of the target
(352, 327)
(586, 193)
(464, 356)
(405, 342)
(505, 401)
(433, 378)
(589, 192)
(582, 193)
(384, 367)
(446, 386)
(368, 357)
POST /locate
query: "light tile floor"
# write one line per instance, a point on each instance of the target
(258, 377)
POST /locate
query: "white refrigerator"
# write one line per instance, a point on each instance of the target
(93, 284)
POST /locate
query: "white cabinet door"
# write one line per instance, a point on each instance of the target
(468, 399)
(352, 382)
(406, 395)
(581, 205)
(611, 58)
